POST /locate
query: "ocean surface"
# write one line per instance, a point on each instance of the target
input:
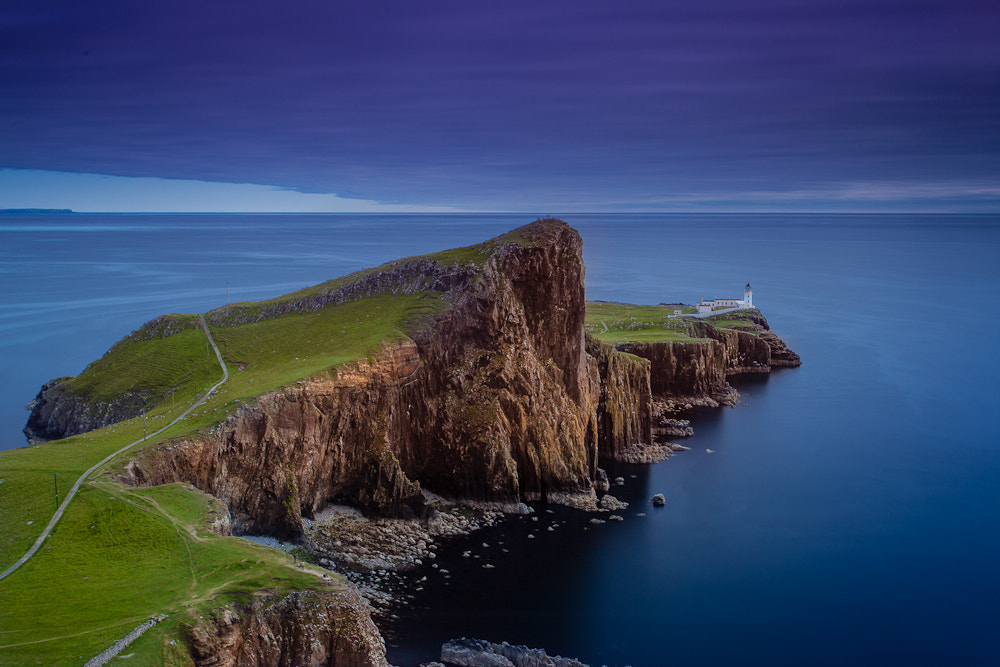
(848, 513)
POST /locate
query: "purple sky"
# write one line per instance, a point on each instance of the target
(535, 106)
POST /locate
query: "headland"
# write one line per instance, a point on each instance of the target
(373, 415)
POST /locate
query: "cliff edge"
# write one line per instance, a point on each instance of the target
(481, 384)
(495, 399)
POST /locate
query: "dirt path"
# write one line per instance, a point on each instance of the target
(72, 492)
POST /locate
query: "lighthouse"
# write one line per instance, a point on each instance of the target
(748, 296)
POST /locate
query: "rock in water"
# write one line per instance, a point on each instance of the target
(610, 503)
(601, 484)
(658, 500)
(479, 653)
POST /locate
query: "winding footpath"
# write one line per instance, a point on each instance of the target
(72, 492)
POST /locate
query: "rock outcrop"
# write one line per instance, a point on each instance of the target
(624, 415)
(695, 372)
(500, 398)
(684, 369)
(479, 653)
(780, 354)
(56, 413)
(497, 400)
(306, 629)
(59, 412)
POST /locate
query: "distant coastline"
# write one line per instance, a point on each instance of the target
(35, 211)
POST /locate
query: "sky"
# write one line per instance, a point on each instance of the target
(582, 105)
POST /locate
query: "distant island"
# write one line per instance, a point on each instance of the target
(357, 425)
(35, 211)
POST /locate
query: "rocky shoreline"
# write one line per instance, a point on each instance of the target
(501, 399)
(467, 652)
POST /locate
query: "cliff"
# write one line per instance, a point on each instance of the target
(495, 400)
(131, 376)
(57, 413)
(302, 629)
(696, 370)
(494, 394)
(624, 409)
(481, 384)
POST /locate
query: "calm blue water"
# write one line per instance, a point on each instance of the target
(849, 512)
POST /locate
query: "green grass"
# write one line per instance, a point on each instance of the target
(122, 555)
(141, 557)
(148, 552)
(27, 493)
(626, 322)
(620, 322)
(276, 352)
(728, 324)
(153, 368)
(737, 318)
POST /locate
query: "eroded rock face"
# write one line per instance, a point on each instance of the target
(467, 652)
(305, 629)
(55, 414)
(682, 369)
(496, 401)
(780, 354)
(501, 399)
(696, 371)
(299, 449)
(624, 415)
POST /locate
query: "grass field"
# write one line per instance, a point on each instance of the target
(620, 322)
(121, 555)
(626, 322)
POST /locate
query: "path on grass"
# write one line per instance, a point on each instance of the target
(72, 492)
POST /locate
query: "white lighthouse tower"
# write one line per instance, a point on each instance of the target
(748, 296)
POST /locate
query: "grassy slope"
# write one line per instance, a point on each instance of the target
(88, 587)
(621, 322)
(180, 363)
(121, 555)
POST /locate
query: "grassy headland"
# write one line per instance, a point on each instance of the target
(626, 322)
(121, 555)
(620, 322)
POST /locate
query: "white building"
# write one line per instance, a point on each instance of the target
(708, 305)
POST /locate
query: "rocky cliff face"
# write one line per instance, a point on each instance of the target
(57, 414)
(624, 410)
(698, 370)
(742, 351)
(296, 450)
(683, 369)
(780, 354)
(300, 630)
(496, 401)
(501, 398)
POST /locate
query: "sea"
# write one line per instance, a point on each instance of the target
(844, 512)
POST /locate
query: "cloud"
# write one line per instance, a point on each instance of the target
(505, 105)
(32, 188)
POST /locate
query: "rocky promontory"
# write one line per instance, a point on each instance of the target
(499, 397)
(494, 395)
(305, 629)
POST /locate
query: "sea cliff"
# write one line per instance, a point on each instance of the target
(496, 400)
(303, 629)
(492, 392)
(500, 397)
